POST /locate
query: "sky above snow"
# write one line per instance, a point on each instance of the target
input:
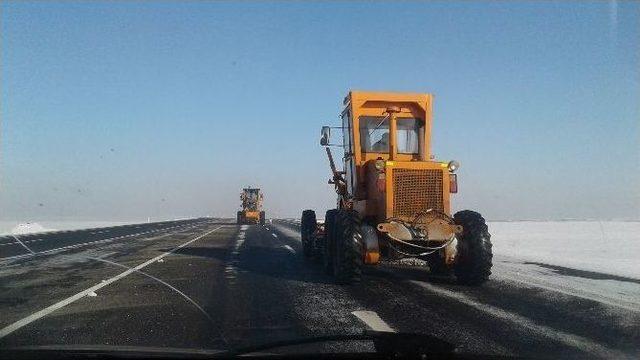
(121, 110)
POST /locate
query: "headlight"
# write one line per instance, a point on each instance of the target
(453, 165)
(380, 164)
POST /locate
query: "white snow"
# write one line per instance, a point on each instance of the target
(610, 247)
(19, 228)
(610, 291)
(27, 228)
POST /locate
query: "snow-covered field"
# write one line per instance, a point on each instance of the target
(610, 247)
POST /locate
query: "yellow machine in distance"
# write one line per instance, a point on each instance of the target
(251, 212)
(393, 197)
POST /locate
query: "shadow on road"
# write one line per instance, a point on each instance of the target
(274, 262)
(396, 273)
(208, 252)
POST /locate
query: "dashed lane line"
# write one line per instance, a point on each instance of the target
(373, 321)
(48, 310)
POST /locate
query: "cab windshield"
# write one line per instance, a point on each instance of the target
(408, 132)
(374, 134)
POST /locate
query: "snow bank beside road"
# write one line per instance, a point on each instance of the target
(18, 228)
(610, 247)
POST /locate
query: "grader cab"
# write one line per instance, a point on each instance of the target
(251, 212)
(393, 196)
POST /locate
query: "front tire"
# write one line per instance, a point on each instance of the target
(308, 224)
(262, 218)
(474, 258)
(347, 259)
(329, 240)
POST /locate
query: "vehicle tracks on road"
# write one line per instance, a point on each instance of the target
(69, 300)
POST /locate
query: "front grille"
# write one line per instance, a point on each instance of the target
(415, 191)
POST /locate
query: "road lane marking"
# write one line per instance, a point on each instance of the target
(48, 310)
(287, 232)
(291, 250)
(230, 269)
(188, 226)
(32, 241)
(156, 279)
(575, 341)
(23, 245)
(373, 321)
(274, 235)
(54, 232)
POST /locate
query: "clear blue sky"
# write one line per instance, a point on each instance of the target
(122, 110)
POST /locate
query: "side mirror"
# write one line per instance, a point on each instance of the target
(325, 135)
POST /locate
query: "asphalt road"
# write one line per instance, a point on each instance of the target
(208, 283)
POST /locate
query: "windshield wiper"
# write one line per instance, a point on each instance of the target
(387, 344)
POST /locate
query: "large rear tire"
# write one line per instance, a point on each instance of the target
(474, 258)
(239, 217)
(308, 224)
(262, 217)
(347, 260)
(328, 242)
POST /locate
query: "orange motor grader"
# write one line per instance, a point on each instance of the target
(251, 212)
(393, 197)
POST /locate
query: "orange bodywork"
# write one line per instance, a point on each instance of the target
(400, 180)
(374, 192)
(362, 103)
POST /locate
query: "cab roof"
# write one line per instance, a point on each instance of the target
(360, 95)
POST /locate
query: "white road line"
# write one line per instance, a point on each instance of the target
(158, 280)
(31, 241)
(48, 310)
(568, 339)
(373, 321)
(274, 235)
(77, 245)
(23, 245)
(287, 232)
(291, 250)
